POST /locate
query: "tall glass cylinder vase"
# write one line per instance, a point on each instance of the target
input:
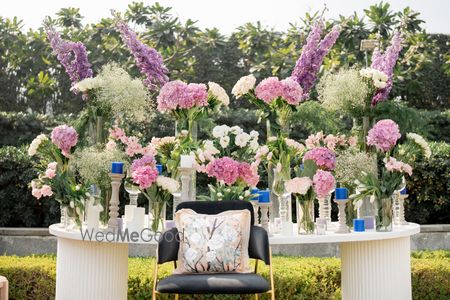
(384, 214)
(277, 130)
(187, 127)
(157, 215)
(350, 213)
(96, 131)
(305, 219)
(281, 176)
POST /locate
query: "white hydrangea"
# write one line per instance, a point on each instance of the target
(419, 140)
(243, 85)
(32, 149)
(242, 139)
(218, 92)
(168, 184)
(220, 131)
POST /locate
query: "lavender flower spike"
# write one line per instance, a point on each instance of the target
(313, 53)
(148, 60)
(72, 55)
(386, 63)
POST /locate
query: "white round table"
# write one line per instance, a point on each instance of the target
(374, 265)
(93, 268)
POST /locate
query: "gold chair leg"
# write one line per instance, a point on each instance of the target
(177, 296)
(256, 297)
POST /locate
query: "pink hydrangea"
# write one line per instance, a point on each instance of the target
(144, 161)
(324, 183)
(323, 157)
(383, 135)
(394, 165)
(292, 91)
(64, 137)
(144, 176)
(248, 174)
(269, 89)
(177, 94)
(224, 169)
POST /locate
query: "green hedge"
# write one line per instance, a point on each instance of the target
(33, 277)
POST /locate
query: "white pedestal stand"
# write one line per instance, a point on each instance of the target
(91, 270)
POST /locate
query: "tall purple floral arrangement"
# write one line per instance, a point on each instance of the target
(385, 63)
(72, 55)
(313, 53)
(148, 60)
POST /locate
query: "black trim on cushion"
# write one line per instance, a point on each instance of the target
(217, 283)
(216, 207)
(258, 245)
(168, 245)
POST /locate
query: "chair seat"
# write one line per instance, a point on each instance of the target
(220, 283)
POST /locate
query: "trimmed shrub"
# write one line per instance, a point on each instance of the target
(429, 188)
(20, 128)
(33, 277)
(18, 207)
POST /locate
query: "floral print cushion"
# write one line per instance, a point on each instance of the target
(213, 243)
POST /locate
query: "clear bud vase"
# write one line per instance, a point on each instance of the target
(281, 176)
(305, 219)
(384, 214)
(64, 220)
(325, 208)
(157, 215)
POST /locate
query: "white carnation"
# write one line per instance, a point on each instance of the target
(236, 130)
(242, 139)
(244, 85)
(224, 141)
(218, 92)
(220, 131)
(254, 144)
(254, 134)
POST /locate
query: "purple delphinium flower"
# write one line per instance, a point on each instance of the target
(386, 63)
(148, 60)
(72, 55)
(313, 53)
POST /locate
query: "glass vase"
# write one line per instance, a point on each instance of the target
(384, 214)
(157, 215)
(280, 177)
(187, 127)
(305, 219)
(64, 220)
(96, 131)
(325, 208)
(366, 209)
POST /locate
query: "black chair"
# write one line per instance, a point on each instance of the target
(214, 283)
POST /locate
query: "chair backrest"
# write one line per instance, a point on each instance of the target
(216, 207)
(258, 247)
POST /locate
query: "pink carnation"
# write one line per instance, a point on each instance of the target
(64, 137)
(323, 157)
(50, 173)
(324, 183)
(133, 146)
(144, 176)
(52, 165)
(269, 89)
(331, 141)
(116, 132)
(224, 169)
(383, 135)
(292, 91)
(394, 165)
(46, 191)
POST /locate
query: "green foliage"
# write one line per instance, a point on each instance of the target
(33, 277)
(429, 188)
(18, 207)
(21, 128)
